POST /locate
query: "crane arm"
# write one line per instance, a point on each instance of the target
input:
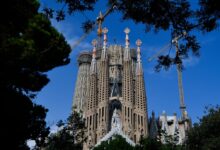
(109, 11)
(77, 42)
(99, 21)
(165, 48)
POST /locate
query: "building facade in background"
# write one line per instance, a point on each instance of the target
(111, 79)
(110, 93)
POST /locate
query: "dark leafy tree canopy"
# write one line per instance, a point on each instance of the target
(176, 16)
(117, 143)
(29, 47)
(206, 133)
(70, 136)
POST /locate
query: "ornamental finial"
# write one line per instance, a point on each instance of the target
(138, 42)
(105, 30)
(127, 30)
(94, 43)
(104, 53)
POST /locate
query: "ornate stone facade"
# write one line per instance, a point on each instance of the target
(113, 82)
(169, 126)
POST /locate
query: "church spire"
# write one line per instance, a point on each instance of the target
(104, 51)
(127, 55)
(140, 97)
(93, 69)
(139, 70)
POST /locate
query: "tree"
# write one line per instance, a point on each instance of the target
(29, 47)
(70, 136)
(206, 134)
(175, 16)
(155, 144)
(117, 143)
(148, 143)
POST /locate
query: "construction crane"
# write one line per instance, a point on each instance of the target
(99, 21)
(165, 48)
(179, 70)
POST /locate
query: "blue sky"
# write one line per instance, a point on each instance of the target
(200, 78)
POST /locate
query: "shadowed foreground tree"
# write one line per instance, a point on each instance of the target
(71, 134)
(205, 135)
(29, 47)
(155, 144)
(119, 143)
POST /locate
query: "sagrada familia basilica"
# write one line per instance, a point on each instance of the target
(111, 95)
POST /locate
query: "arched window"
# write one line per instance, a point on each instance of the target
(125, 111)
(138, 120)
(142, 120)
(134, 121)
(128, 111)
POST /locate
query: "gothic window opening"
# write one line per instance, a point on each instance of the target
(134, 121)
(141, 120)
(138, 120)
(96, 121)
(125, 111)
(128, 111)
(99, 115)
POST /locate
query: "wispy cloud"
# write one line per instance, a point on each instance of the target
(31, 144)
(208, 40)
(72, 36)
(54, 128)
(190, 62)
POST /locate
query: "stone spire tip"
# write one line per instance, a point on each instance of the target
(127, 30)
(94, 43)
(105, 30)
(138, 42)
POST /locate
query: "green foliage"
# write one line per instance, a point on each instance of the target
(70, 136)
(117, 143)
(148, 143)
(171, 140)
(155, 144)
(175, 16)
(29, 47)
(70, 7)
(206, 134)
(22, 120)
